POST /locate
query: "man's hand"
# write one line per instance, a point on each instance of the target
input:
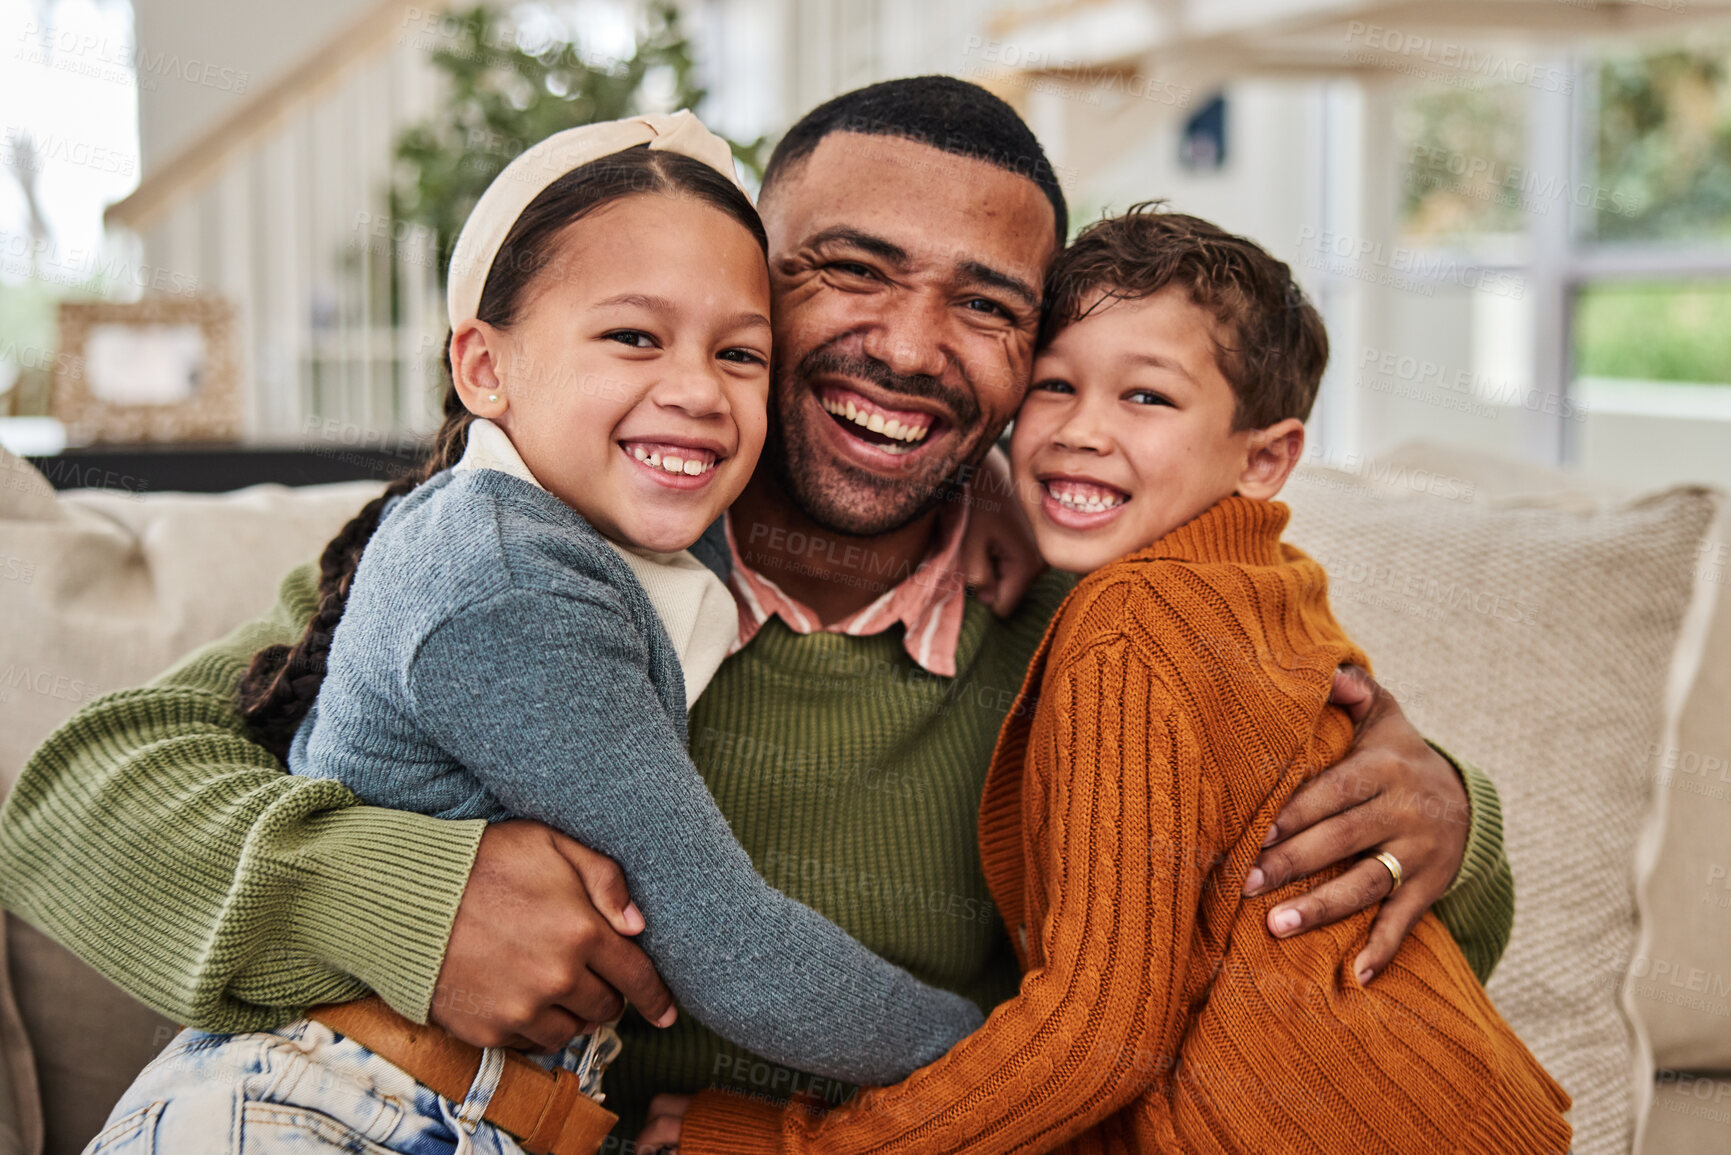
(666, 1120)
(999, 558)
(539, 950)
(1391, 792)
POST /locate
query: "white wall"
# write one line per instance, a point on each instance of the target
(200, 59)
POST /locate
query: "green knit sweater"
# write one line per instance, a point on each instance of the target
(153, 838)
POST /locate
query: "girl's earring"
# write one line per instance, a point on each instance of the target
(492, 396)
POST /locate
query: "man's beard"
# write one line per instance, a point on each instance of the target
(841, 497)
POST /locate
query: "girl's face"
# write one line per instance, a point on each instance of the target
(1127, 432)
(634, 380)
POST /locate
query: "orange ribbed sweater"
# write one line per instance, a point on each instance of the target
(1178, 700)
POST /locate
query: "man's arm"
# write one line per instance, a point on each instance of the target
(1393, 791)
(1479, 906)
(152, 837)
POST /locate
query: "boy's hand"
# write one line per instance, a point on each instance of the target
(999, 558)
(1391, 792)
(666, 1120)
(540, 946)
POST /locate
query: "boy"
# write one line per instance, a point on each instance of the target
(1179, 699)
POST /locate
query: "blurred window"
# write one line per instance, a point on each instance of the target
(1662, 143)
(1463, 166)
(1655, 331)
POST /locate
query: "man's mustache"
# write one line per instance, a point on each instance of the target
(832, 363)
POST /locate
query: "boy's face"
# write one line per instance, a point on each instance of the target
(1126, 433)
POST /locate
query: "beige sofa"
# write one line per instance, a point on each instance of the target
(1574, 643)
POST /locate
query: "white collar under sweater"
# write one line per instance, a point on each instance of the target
(694, 605)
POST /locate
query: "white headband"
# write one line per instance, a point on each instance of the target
(540, 165)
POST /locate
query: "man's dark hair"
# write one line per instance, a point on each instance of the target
(1269, 341)
(951, 115)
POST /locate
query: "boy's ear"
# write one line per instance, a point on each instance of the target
(476, 350)
(1270, 457)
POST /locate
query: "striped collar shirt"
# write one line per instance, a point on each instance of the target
(929, 603)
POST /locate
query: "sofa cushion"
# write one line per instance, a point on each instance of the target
(20, 1102)
(1680, 984)
(90, 1037)
(1691, 1115)
(1532, 638)
(100, 591)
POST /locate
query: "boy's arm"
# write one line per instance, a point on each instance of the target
(152, 837)
(1097, 1024)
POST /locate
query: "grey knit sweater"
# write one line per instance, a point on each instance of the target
(498, 659)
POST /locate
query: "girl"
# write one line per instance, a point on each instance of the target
(1179, 699)
(521, 636)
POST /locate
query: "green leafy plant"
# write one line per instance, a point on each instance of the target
(1664, 141)
(504, 92)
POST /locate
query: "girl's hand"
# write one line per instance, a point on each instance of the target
(660, 1136)
(999, 558)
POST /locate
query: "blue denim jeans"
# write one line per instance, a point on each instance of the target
(301, 1088)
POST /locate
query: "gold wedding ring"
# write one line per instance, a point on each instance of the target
(1394, 869)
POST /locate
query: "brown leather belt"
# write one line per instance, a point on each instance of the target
(545, 1111)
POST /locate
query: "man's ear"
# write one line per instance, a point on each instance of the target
(1270, 456)
(476, 351)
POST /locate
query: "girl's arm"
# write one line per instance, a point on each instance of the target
(1099, 1022)
(546, 699)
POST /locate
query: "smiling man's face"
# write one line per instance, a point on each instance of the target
(906, 284)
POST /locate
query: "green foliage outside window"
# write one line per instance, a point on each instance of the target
(1656, 332)
(1664, 143)
(503, 95)
(1461, 157)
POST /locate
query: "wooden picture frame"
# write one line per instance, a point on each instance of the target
(157, 370)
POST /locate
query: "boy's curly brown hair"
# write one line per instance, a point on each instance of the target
(1269, 340)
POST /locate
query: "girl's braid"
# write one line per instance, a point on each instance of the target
(278, 688)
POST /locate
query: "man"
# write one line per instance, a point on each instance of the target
(910, 226)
